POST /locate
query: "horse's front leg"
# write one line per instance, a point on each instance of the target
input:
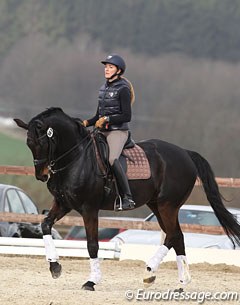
(91, 226)
(54, 214)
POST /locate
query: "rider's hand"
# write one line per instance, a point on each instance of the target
(85, 123)
(100, 122)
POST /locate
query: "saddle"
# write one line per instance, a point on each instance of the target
(133, 158)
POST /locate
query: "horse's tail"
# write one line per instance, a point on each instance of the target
(229, 223)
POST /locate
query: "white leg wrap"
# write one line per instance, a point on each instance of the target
(183, 269)
(95, 275)
(155, 261)
(51, 253)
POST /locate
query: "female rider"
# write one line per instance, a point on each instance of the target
(112, 117)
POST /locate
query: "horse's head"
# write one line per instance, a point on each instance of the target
(48, 134)
(40, 138)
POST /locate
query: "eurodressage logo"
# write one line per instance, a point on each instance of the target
(198, 296)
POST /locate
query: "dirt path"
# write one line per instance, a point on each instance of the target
(27, 281)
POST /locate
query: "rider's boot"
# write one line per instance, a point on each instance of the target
(122, 183)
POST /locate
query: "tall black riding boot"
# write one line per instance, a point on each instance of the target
(123, 186)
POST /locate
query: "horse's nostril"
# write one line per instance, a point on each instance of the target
(42, 177)
(45, 171)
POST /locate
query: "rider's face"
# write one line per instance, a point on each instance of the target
(109, 70)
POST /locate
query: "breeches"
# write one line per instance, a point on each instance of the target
(116, 140)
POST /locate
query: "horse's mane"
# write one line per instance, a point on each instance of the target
(48, 112)
(51, 110)
(58, 111)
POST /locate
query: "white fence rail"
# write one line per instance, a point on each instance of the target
(110, 250)
(31, 246)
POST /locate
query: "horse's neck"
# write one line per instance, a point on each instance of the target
(81, 149)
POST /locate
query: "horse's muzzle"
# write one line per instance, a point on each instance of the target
(42, 175)
(42, 178)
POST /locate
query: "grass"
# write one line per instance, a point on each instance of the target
(14, 151)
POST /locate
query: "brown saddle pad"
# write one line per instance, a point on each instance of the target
(137, 163)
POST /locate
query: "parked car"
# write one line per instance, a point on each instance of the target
(14, 199)
(104, 234)
(188, 214)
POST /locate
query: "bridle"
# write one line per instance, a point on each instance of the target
(50, 159)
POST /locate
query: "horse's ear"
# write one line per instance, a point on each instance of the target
(21, 124)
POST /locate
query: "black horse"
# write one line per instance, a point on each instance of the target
(64, 157)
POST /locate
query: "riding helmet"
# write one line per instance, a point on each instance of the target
(115, 60)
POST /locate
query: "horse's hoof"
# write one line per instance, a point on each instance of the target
(55, 269)
(179, 290)
(149, 277)
(149, 281)
(88, 286)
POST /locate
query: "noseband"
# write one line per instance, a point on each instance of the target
(38, 162)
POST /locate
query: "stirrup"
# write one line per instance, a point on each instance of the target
(129, 205)
(118, 203)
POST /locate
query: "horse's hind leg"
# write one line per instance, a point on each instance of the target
(168, 215)
(154, 262)
(182, 264)
(54, 214)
